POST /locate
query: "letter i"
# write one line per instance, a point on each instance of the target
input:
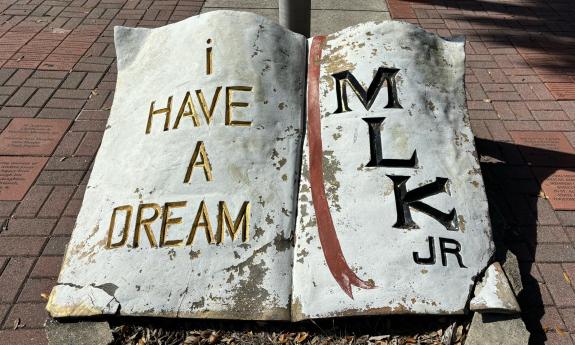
(209, 58)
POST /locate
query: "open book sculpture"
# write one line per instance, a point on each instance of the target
(249, 173)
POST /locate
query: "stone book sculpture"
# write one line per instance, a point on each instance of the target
(247, 172)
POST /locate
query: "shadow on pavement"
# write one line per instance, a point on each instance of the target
(512, 192)
(544, 29)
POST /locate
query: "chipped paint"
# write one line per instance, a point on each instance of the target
(70, 299)
(433, 121)
(263, 164)
(493, 294)
(258, 163)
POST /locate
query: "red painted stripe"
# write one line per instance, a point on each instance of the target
(334, 258)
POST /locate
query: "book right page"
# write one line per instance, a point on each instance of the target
(392, 211)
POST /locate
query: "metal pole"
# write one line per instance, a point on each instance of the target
(295, 15)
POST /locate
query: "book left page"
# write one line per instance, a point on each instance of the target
(189, 209)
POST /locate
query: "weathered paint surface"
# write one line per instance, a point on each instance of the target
(373, 269)
(350, 257)
(257, 163)
(493, 294)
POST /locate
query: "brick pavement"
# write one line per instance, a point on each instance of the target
(520, 82)
(56, 63)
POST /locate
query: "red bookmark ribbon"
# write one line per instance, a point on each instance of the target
(332, 252)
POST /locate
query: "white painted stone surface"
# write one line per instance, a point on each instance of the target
(86, 301)
(433, 121)
(259, 277)
(257, 163)
(493, 294)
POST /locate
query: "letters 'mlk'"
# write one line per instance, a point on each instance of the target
(405, 199)
(375, 150)
(366, 98)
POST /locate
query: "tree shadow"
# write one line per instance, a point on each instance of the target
(537, 28)
(512, 191)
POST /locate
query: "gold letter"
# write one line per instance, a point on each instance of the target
(187, 102)
(208, 113)
(202, 215)
(230, 105)
(243, 218)
(167, 221)
(205, 162)
(128, 210)
(146, 223)
(209, 58)
(166, 110)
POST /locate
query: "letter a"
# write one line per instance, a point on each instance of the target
(204, 162)
(191, 111)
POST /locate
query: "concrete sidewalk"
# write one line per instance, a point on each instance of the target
(326, 16)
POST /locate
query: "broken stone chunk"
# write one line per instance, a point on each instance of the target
(493, 293)
(513, 273)
(493, 329)
(81, 301)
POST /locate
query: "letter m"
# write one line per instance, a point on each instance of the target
(366, 97)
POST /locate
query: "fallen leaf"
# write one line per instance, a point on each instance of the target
(379, 337)
(213, 338)
(192, 340)
(458, 333)
(542, 195)
(301, 337)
